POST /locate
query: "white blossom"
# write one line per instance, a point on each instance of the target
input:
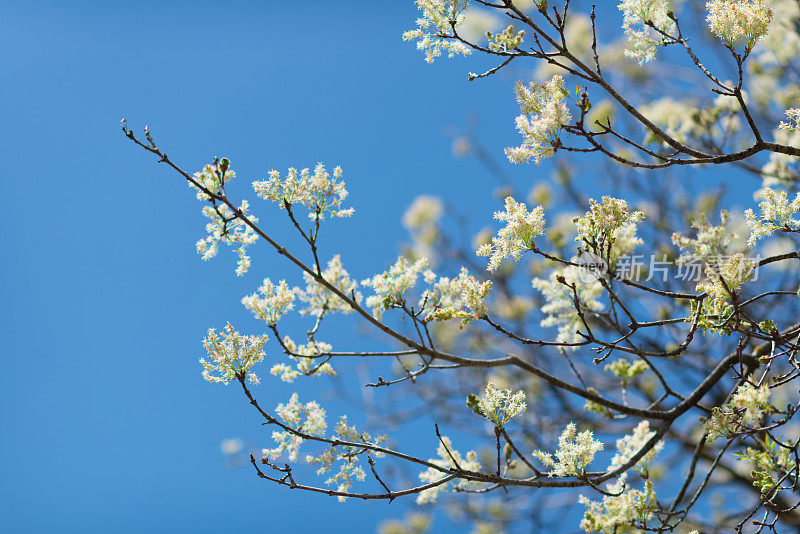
(638, 15)
(753, 400)
(782, 168)
(628, 446)
(213, 178)
(434, 32)
(674, 117)
(745, 409)
(232, 356)
(350, 466)
(777, 213)
(421, 219)
(505, 41)
(731, 20)
(321, 299)
(501, 405)
(390, 286)
(275, 301)
(463, 297)
(424, 211)
(307, 418)
(575, 451)
(609, 223)
(442, 292)
(735, 270)
(684, 119)
(518, 234)
(626, 370)
(446, 297)
(725, 273)
(226, 227)
(320, 192)
(544, 113)
(469, 462)
(620, 509)
(514, 307)
(559, 308)
(307, 358)
(781, 44)
(711, 240)
(605, 219)
(793, 115)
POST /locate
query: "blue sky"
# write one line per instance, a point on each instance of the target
(107, 425)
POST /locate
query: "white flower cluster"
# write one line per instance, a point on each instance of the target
(782, 168)
(683, 120)
(793, 115)
(744, 410)
(731, 20)
(213, 177)
(500, 405)
(560, 307)
(644, 39)
(626, 370)
(469, 463)
(735, 271)
(434, 32)
(518, 234)
(320, 192)
(711, 247)
(320, 299)
(308, 360)
(776, 213)
(424, 211)
(674, 117)
(462, 297)
(608, 228)
(421, 219)
(350, 467)
(575, 451)
(274, 302)
(308, 418)
(628, 446)
(390, 286)
(231, 356)
(506, 40)
(513, 307)
(753, 400)
(781, 44)
(711, 241)
(226, 227)
(544, 113)
(441, 293)
(619, 509)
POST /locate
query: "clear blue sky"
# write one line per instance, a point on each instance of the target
(106, 423)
